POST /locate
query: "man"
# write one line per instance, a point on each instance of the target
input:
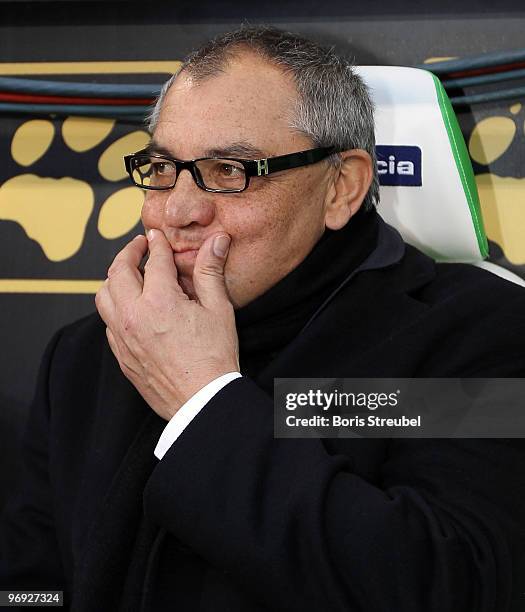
(154, 480)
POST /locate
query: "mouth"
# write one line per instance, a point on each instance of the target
(177, 250)
(185, 259)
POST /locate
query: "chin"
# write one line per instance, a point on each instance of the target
(237, 298)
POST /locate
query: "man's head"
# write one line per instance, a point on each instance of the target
(258, 93)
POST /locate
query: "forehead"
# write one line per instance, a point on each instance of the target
(251, 101)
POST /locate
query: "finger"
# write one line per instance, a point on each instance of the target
(113, 345)
(105, 304)
(160, 272)
(208, 273)
(125, 279)
(112, 342)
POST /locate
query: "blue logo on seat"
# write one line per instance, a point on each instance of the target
(399, 165)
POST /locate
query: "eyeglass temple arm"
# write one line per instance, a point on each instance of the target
(262, 167)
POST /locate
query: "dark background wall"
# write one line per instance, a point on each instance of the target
(397, 32)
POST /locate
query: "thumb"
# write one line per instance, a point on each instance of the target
(208, 273)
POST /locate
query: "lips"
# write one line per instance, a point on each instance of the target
(185, 259)
(186, 249)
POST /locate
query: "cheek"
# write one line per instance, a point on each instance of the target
(256, 223)
(263, 234)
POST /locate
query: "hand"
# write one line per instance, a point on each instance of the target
(167, 345)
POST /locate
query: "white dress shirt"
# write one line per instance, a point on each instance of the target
(188, 411)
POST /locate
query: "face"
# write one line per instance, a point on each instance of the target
(244, 112)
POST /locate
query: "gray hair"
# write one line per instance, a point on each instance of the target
(334, 106)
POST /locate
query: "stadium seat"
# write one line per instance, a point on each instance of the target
(428, 190)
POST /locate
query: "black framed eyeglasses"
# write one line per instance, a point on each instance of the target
(216, 174)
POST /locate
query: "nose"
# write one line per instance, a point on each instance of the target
(186, 203)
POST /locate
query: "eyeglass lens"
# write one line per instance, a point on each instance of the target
(220, 174)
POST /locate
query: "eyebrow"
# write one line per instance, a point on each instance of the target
(236, 149)
(155, 149)
(240, 149)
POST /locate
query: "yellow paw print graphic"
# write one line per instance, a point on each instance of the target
(502, 197)
(55, 211)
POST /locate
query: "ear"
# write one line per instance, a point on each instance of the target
(351, 183)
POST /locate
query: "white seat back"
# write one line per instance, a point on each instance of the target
(428, 192)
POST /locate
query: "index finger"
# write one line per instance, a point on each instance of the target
(160, 272)
(125, 278)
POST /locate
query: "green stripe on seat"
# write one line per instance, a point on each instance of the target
(463, 164)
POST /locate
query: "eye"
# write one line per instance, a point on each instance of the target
(222, 174)
(230, 170)
(160, 168)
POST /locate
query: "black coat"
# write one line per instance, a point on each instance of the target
(238, 520)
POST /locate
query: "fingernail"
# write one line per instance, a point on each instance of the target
(150, 234)
(220, 245)
(138, 236)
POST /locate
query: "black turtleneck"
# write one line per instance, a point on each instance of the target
(266, 325)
